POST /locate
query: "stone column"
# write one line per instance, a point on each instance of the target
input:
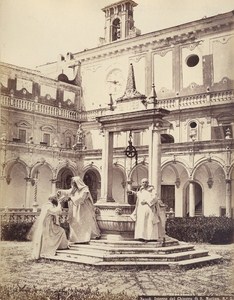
(129, 185)
(149, 76)
(155, 158)
(28, 189)
(191, 198)
(176, 70)
(228, 198)
(107, 168)
(2, 182)
(124, 27)
(35, 204)
(53, 186)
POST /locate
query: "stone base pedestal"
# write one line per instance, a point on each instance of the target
(117, 236)
(129, 253)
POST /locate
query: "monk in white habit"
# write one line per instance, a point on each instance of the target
(148, 215)
(47, 235)
(81, 212)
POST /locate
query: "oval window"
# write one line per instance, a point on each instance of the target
(192, 60)
(193, 125)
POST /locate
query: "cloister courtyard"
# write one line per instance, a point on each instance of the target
(19, 271)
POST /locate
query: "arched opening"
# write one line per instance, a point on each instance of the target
(15, 187)
(116, 33)
(93, 179)
(119, 185)
(68, 144)
(62, 77)
(64, 179)
(42, 176)
(211, 176)
(138, 174)
(168, 195)
(167, 139)
(174, 177)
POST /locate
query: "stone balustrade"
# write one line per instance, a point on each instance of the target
(16, 215)
(199, 100)
(36, 107)
(21, 215)
(178, 102)
(113, 219)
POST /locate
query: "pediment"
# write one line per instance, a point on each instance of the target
(47, 128)
(23, 124)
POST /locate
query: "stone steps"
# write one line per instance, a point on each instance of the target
(200, 261)
(132, 243)
(135, 256)
(133, 253)
(190, 263)
(129, 250)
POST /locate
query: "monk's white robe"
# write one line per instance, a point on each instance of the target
(145, 215)
(161, 212)
(47, 235)
(81, 216)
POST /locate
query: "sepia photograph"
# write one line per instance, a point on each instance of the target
(116, 150)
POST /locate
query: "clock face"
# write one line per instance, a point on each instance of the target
(114, 82)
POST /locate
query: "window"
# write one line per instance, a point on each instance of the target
(193, 131)
(46, 139)
(193, 125)
(222, 211)
(168, 196)
(68, 142)
(22, 135)
(167, 138)
(112, 11)
(192, 60)
(221, 132)
(136, 138)
(116, 30)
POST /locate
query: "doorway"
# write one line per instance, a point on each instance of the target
(168, 196)
(198, 200)
(93, 180)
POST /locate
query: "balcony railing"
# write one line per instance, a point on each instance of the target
(183, 102)
(24, 215)
(36, 107)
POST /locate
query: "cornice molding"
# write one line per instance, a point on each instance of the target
(132, 120)
(15, 72)
(169, 37)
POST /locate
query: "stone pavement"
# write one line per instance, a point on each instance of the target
(16, 267)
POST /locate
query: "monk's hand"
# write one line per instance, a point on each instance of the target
(161, 204)
(60, 199)
(143, 202)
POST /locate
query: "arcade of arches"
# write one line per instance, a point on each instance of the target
(201, 191)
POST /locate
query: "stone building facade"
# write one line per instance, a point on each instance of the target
(49, 117)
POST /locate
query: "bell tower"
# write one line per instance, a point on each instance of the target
(119, 22)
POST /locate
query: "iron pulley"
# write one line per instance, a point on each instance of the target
(130, 150)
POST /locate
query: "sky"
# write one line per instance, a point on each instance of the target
(35, 32)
